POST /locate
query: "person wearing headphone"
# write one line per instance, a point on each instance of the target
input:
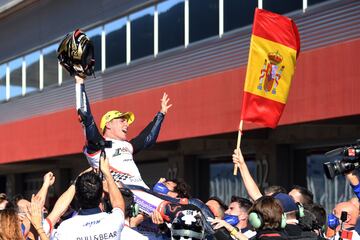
(292, 210)
(266, 216)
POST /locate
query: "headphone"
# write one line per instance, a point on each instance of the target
(256, 220)
(300, 211)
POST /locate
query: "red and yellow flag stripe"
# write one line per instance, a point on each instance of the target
(274, 48)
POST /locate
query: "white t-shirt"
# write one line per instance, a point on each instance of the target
(129, 233)
(150, 230)
(104, 226)
(122, 165)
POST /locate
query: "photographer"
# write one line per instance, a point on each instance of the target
(344, 222)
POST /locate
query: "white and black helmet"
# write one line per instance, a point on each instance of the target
(76, 54)
(188, 225)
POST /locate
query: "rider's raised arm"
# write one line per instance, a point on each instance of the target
(148, 136)
(93, 137)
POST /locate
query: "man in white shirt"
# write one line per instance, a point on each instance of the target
(91, 222)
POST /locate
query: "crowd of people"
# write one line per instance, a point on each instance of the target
(96, 207)
(110, 200)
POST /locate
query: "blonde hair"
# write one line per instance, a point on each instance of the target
(10, 225)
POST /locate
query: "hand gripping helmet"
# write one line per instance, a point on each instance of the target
(76, 54)
(187, 225)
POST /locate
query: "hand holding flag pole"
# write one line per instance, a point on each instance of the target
(238, 142)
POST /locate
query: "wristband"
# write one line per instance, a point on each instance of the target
(234, 232)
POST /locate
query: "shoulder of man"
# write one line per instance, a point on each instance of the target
(118, 213)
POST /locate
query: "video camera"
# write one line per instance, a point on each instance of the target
(350, 160)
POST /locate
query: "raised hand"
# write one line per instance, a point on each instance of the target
(238, 157)
(164, 104)
(49, 178)
(34, 213)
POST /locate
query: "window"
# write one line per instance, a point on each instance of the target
(203, 19)
(142, 33)
(281, 6)
(95, 36)
(115, 42)
(15, 77)
(171, 24)
(312, 2)
(224, 185)
(2, 82)
(32, 71)
(50, 65)
(238, 13)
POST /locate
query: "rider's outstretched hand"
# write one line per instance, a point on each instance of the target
(165, 104)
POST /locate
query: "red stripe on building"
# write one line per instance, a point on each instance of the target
(325, 86)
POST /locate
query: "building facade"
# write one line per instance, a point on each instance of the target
(197, 52)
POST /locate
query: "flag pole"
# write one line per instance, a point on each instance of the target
(238, 142)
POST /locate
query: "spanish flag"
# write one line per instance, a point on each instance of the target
(274, 48)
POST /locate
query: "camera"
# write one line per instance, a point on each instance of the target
(350, 160)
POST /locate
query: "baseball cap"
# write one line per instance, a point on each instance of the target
(287, 202)
(110, 115)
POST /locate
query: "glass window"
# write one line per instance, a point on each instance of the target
(2, 82)
(203, 19)
(50, 65)
(312, 2)
(281, 6)
(32, 71)
(225, 185)
(15, 77)
(142, 33)
(95, 36)
(115, 42)
(171, 24)
(238, 13)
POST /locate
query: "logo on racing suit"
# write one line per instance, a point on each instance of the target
(121, 150)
